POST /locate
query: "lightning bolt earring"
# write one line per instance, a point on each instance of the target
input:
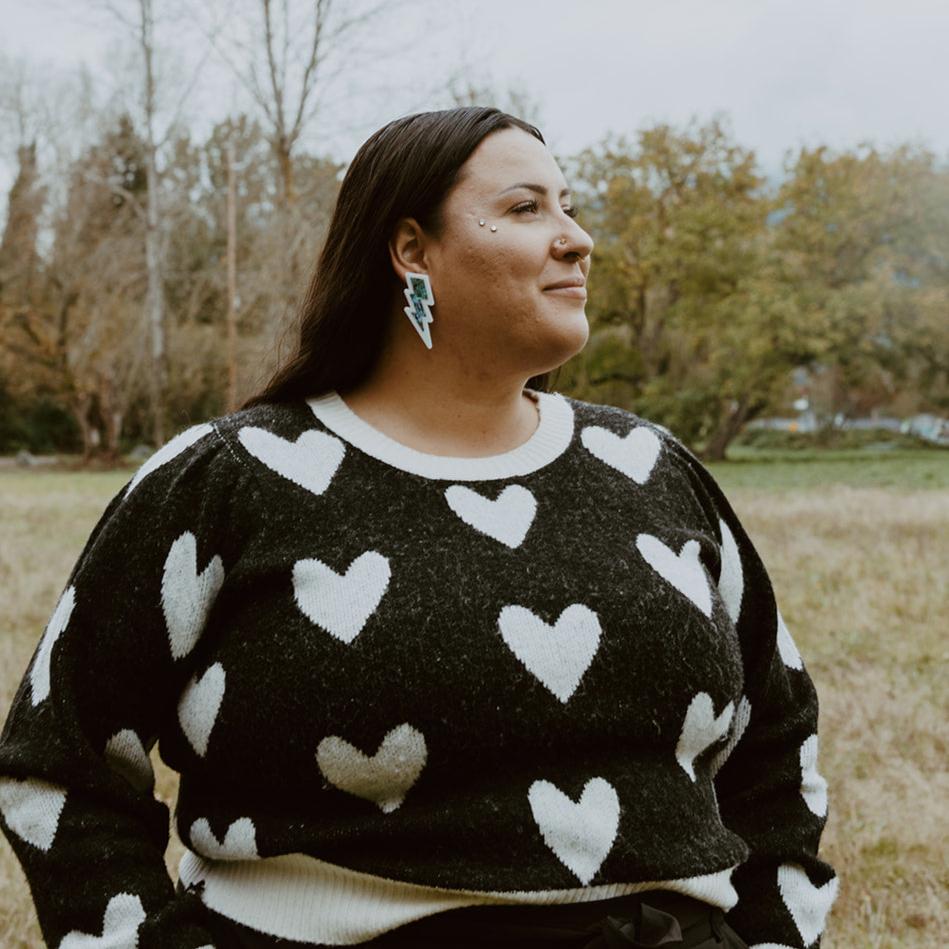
(418, 293)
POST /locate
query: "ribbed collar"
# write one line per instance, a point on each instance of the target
(549, 440)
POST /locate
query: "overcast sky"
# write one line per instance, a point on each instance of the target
(785, 73)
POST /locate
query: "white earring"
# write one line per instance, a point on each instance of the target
(420, 299)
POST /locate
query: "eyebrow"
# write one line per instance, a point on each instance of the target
(540, 189)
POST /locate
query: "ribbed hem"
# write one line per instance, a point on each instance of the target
(550, 439)
(298, 897)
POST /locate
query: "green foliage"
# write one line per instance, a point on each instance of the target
(39, 426)
(711, 290)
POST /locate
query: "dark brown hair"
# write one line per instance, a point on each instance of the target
(405, 169)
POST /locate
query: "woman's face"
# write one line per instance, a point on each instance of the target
(489, 285)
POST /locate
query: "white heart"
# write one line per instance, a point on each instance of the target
(32, 808)
(386, 777)
(786, 646)
(813, 785)
(634, 454)
(507, 518)
(742, 717)
(341, 604)
(186, 595)
(126, 755)
(240, 840)
(310, 461)
(580, 834)
(557, 655)
(700, 730)
(683, 570)
(199, 705)
(169, 450)
(39, 671)
(123, 917)
(731, 580)
(807, 904)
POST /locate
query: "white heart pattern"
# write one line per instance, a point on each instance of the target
(32, 808)
(557, 655)
(39, 671)
(186, 595)
(341, 604)
(786, 646)
(742, 718)
(813, 784)
(807, 904)
(506, 519)
(731, 581)
(700, 730)
(386, 777)
(123, 917)
(310, 461)
(634, 454)
(580, 834)
(683, 570)
(169, 450)
(240, 840)
(126, 755)
(199, 705)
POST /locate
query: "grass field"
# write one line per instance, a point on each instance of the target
(857, 545)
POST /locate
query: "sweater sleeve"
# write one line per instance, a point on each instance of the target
(766, 780)
(76, 783)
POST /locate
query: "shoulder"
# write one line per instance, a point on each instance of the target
(644, 449)
(621, 422)
(210, 451)
(280, 418)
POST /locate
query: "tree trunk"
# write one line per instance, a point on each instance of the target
(731, 421)
(231, 281)
(112, 417)
(155, 296)
(285, 167)
(81, 410)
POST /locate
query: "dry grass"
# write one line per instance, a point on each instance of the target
(861, 578)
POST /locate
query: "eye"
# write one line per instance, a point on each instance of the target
(532, 206)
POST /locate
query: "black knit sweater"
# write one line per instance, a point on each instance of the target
(395, 682)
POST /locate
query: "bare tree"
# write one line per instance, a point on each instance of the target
(137, 18)
(294, 51)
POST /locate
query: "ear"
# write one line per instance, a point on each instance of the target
(407, 248)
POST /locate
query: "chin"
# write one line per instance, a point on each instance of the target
(569, 333)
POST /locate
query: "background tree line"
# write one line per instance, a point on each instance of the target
(150, 278)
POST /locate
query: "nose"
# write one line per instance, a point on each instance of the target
(579, 243)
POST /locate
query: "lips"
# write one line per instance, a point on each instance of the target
(568, 282)
(578, 293)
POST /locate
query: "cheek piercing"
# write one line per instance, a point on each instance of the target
(563, 240)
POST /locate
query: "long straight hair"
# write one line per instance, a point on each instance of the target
(405, 169)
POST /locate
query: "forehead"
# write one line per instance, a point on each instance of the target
(506, 157)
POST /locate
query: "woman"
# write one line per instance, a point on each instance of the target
(443, 658)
